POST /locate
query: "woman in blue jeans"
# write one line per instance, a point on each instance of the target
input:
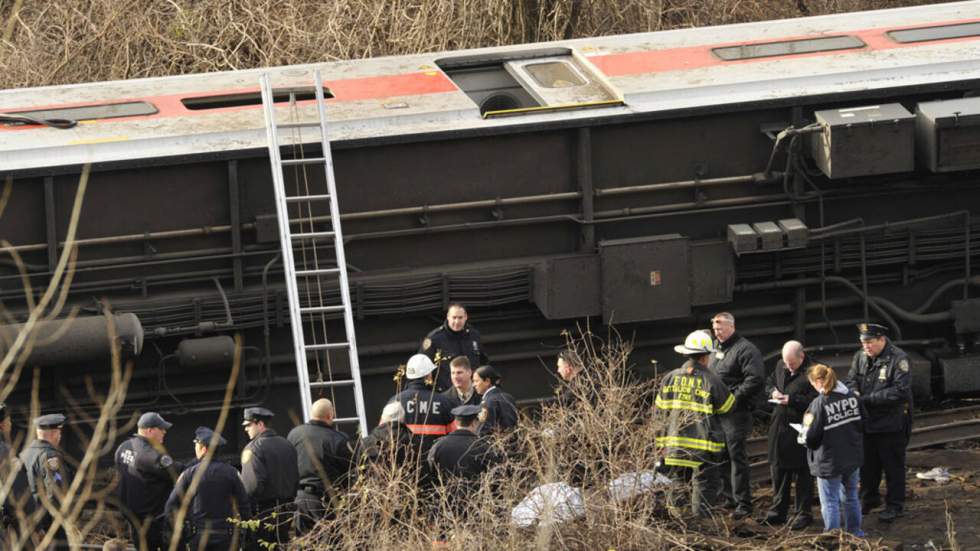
(832, 431)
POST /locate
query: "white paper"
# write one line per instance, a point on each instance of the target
(798, 427)
(774, 401)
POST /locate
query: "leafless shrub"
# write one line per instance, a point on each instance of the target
(64, 41)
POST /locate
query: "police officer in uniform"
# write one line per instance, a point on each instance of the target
(499, 408)
(426, 411)
(19, 497)
(880, 377)
(792, 393)
(146, 477)
(739, 364)
(462, 453)
(455, 337)
(220, 495)
(270, 474)
(47, 473)
(325, 456)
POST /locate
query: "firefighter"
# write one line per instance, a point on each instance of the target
(270, 474)
(880, 377)
(325, 456)
(791, 392)
(738, 363)
(220, 496)
(694, 399)
(146, 475)
(499, 408)
(427, 413)
(48, 475)
(455, 337)
(462, 392)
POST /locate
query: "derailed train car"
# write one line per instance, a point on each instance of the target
(804, 174)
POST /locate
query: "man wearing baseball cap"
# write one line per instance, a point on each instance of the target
(48, 474)
(691, 401)
(427, 412)
(146, 474)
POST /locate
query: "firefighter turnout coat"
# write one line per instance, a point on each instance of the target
(693, 398)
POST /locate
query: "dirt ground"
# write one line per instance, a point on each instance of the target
(924, 525)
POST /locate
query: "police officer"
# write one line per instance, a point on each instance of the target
(791, 392)
(739, 365)
(694, 400)
(47, 473)
(499, 408)
(389, 443)
(461, 453)
(880, 377)
(19, 498)
(426, 411)
(462, 392)
(146, 477)
(455, 337)
(325, 455)
(220, 495)
(270, 474)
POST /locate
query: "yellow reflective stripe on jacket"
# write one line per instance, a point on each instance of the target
(727, 406)
(683, 404)
(677, 462)
(690, 443)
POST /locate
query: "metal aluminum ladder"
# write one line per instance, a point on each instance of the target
(301, 250)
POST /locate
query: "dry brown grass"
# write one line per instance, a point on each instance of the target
(48, 42)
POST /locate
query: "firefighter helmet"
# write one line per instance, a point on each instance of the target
(698, 342)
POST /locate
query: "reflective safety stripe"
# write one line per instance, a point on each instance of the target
(690, 443)
(727, 405)
(684, 405)
(677, 462)
(434, 430)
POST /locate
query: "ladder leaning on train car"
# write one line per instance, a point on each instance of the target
(318, 228)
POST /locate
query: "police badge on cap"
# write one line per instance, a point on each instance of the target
(869, 331)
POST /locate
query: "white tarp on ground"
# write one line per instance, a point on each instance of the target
(549, 503)
(633, 484)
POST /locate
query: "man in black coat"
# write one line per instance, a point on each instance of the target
(791, 392)
(325, 455)
(455, 337)
(48, 475)
(390, 443)
(461, 453)
(146, 475)
(880, 377)
(19, 497)
(739, 365)
(220, 495)
(270, 474)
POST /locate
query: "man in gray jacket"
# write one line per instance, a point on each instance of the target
(739, 365)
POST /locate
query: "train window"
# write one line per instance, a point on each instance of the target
(942, 32)
(221, 101)
(93, 112)
(788, 47)
(554, 74)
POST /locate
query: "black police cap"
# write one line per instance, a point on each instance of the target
(872, 330)
(463, 412)
(256, 414)
(204, 435)
(50, 421)
(153, 420)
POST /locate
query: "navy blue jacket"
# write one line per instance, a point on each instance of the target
(834, 433)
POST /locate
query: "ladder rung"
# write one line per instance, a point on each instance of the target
(288, 125)
(347, 420)
(312, 235)
(338, 382)
(328, 346)
(298, 198)
(318, 271)
(306, 161)
(321, 309)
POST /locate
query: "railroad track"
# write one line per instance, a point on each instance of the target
(929, 429)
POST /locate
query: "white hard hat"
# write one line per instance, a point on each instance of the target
(698, 342)
(419, 366)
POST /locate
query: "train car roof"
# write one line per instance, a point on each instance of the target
(403, 96)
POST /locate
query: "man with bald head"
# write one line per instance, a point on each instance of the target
(324, 459)
(791, 393)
